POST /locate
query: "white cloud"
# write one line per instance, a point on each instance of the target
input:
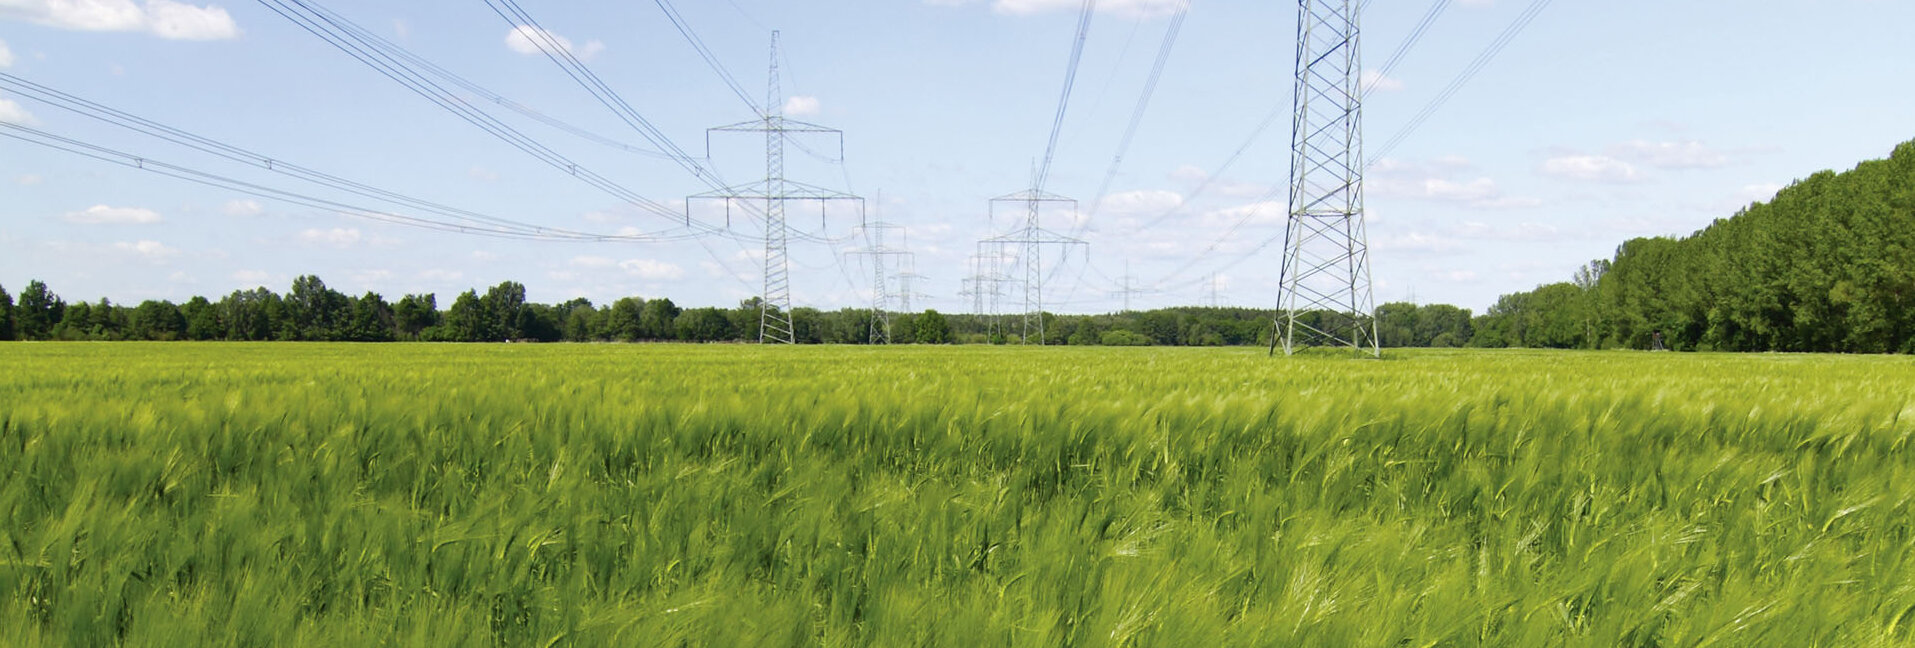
(1671, 155)
(1524, 231)
(641, 268)
(801, 106)
(12, 113)
(594, 262)
(529, 40)
(6, 55)
(1758, 193)
(441, 275)
(482, 174)
(149, 250)
(1374, 81)
(650, 269)
(1438, 180)
(254, 277)
(1592, 168)
(1264, 212)
(1189, 173)
(104, 215)
(162, 18)
(1474, 190)
(1508, 202)
(1141, 202)
(336, 237)
(1417, 242)
(168, 19)
(243, 208)
(29, 180)
(1128, 9)
(1229, 189)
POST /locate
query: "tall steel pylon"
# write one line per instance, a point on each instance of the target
(906, 282)
(985, 286)
(774, 306)
(879, 246)
(1324, 294)
(1026, 247)
(1129, 290)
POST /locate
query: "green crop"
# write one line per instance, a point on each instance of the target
(264, 495)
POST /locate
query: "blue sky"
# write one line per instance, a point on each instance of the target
(1600, 122)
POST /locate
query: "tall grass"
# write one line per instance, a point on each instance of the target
(180, 494)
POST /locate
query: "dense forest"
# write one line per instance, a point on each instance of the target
(1827, 266)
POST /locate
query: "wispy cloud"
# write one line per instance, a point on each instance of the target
(163, 18)
(104, 215)
(1593, 168)
(532, 41)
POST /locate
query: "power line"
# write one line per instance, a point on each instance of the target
(395, 63)
(1064, 98)
(1402, 50)
(145, 163)
(329, 28)
(558, 53)
(1212, 177)
(482, 92)
(122, 119)
(1137, 114)
(691, 36)
(1481, 61)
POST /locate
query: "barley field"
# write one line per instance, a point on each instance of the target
(340, 495)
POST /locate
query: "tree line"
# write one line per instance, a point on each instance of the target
(312, 311)
(1828, 265)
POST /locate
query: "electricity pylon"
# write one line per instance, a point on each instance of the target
(1324, 292)
(906, 281)
(985, 286)
(1026, 247)
(1129, 290)
(879, 237)
(774, 307)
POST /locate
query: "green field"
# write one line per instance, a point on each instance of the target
(263, 495)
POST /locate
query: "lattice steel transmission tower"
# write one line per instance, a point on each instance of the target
(907, 281)
(774, 306)
(985, 286)
(1211, 297)
(1129, 289)
(1324, 294)
(1025, 247)
(883, 243)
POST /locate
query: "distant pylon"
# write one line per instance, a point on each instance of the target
(774, 306)
(1324, 291)
(985, 286)
(907, 282)
(1026, 247)
(883, 243)
(1128, 290)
